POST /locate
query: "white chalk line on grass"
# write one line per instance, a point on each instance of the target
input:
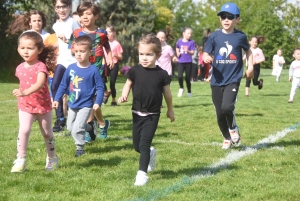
(212, 169)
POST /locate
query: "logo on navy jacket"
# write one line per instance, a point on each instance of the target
(225, 56)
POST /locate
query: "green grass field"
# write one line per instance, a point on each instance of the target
(190, 162)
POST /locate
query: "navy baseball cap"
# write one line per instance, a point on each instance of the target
(230, 8)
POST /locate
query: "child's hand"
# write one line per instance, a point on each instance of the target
(208, 79)
(123, 99)
(18, 93)
(170, 115)
(175, 59)
(249, 74)
(96, 107)
(55, 104)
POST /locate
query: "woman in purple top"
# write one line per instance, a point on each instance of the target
(185, 49)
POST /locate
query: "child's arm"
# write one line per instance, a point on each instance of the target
(177, 52)
(41, 79)
(99, 89)
(125, 91)
(249, 72)
(168, 98)
(109, 61)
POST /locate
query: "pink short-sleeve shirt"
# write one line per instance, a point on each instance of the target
(164, 60)
(38, 102)
(116, 49)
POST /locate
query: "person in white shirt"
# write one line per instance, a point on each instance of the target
(63, 28)
(278, 62)
(294, 74)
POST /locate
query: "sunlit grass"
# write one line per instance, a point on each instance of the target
(185, 147)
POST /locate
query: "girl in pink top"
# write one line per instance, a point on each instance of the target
(117, 51)
(33, 96)
(258, 57)
(167, 53)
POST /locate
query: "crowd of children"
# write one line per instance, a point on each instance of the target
(77, 59)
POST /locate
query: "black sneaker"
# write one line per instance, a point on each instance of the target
(113, 103)
(261, 82)
(92, 131)
(59, 125)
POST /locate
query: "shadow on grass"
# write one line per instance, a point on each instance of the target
(193, 105)
(275, 94)
(287, 143)
(199, 171)
(166, 134)
(109, 148)
(246, 115)
(114, 161)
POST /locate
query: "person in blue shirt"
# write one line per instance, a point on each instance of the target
(83, 80)
(224, 49)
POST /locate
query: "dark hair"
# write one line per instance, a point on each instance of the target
(88, 5)
(111, 27)
(206, 32)
(67, 2)
(27, 18)
(48, 54)
(151, 39)
(260, 39)
(84, 40)
(74, 13)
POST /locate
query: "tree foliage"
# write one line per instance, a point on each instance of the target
(131, 18)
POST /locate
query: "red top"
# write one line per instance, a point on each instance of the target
(38, 102)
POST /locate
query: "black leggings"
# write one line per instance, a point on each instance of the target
(256, 72)
(113, 74)
(187, 67)
(143, 130)
(224, 98)
(58, 75)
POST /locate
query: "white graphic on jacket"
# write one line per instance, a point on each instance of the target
(74, 90)
(224, 52)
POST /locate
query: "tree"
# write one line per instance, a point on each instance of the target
(131, 18)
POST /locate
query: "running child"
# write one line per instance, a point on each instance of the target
(36, 21)
(83, 80)
(278, 62)
(226, 45)
(63, 28)
(146, 103)
(258, 58)
(117, 55)
(33, 97)
(294, 74)
(185, 49)
(88, 13)
(167, 54)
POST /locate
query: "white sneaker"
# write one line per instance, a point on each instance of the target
(180, 92)
(152, 161)
(189, 94)
(51, 163)
(234, 134)
(226, 144)
(19, 165)
(141, 178)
